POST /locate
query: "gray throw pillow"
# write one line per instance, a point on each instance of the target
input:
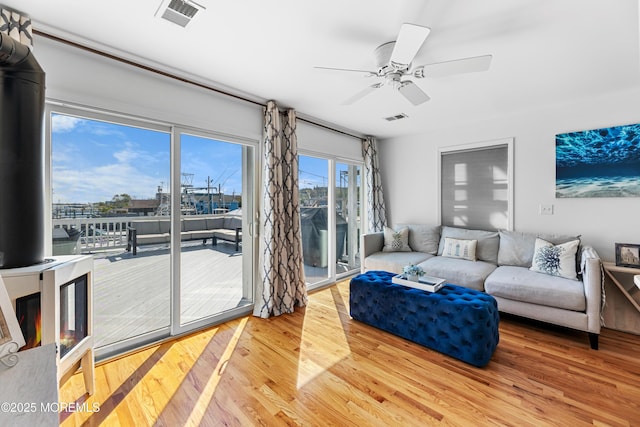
(423, 238)
(516, 248)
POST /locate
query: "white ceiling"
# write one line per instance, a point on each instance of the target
(545, 52)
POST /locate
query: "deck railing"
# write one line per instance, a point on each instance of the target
(95, 233)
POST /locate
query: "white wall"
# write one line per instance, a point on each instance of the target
(409, 167)
(316, 139)
(79, 77)
(76, 76)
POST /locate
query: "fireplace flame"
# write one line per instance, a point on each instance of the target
(32, 339)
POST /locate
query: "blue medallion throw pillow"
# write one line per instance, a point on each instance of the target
(556, 260)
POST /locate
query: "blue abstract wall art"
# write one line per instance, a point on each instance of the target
(599, 163)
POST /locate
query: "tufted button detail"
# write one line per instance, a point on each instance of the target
(457, 321)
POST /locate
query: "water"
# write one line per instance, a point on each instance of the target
(599, 163)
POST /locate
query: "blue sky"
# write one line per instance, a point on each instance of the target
(93, 161)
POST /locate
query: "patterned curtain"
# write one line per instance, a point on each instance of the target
(16, 26)
(282, 271)
(376, 211)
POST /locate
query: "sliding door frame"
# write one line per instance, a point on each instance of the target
(249, 249)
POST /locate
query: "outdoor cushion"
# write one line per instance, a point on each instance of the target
(194, 224)
(522, 284)
(232, 223)
(213, 223)
(225, 234)
(165, 225)
(152, 239)
(146, 227)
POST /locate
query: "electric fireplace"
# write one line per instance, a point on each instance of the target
(53, 304)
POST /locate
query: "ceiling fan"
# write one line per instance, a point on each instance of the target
(394, 65)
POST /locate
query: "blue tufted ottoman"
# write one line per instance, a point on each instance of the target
(459, 322)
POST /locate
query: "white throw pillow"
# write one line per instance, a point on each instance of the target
(396, 241)
(458, 248)
(556, 260)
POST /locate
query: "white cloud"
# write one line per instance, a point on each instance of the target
(61, 123)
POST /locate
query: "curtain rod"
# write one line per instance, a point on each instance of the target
(174, 76)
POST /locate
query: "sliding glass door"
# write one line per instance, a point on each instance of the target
(313, 182)
(348, 217)
(215, 253)
(330, 236)
(166, 214)
(106, 175)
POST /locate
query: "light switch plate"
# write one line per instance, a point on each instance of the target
(546, 209)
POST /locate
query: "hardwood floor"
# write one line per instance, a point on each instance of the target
(318, 367)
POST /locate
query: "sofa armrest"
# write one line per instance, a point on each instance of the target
(371, 243)
(593, 280)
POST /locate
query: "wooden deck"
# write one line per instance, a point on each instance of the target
(132, 293)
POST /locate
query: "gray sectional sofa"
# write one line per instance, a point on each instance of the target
(155, 230)
(502, 267)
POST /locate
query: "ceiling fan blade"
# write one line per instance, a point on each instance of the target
(366, 72)
(458, 66)
(413, 93)
(364, 92)
(408, 43)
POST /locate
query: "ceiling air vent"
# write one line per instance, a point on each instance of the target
(179, 12)
(396, 117)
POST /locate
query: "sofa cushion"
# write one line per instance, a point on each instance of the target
(165, 225)
(146, 227)
(153, 239)
(232, 222)
(458, 248)
(215, 222)
(522, 284)
(460, 272)
(488, 242)
(394, 261)
(194, 224)
(556, 260)
(423, 238)
(516, 248)
(396, 241)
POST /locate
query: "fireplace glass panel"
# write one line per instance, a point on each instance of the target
(73, 314)
(29, 314)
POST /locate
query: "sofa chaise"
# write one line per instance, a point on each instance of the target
(548, 278)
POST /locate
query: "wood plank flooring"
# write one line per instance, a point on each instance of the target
(318, 367)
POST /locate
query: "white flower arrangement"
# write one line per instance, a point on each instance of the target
(413, 270)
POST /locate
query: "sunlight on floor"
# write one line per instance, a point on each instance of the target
(140, 375)
(195, 418)
(319, 348)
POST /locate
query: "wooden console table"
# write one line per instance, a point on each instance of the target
(622, 311)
